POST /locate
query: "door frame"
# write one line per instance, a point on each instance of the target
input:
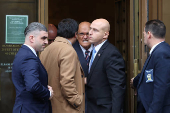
(148, 10)
(43, 12)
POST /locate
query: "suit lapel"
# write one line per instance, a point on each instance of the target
(144, 67)
(147, 61)
(97, 57)
(81, 58)
(81, 55)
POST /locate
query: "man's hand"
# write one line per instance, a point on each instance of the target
(131, 85)
(85, 80)
(51, 91)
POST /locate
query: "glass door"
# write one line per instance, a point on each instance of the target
(15, 16)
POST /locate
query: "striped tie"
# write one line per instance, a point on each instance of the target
(87, 56)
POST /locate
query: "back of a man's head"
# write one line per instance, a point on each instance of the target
(156, 27)
(52, 33)
(67, 28)
(34, 27)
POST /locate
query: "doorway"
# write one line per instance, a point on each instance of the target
(115, 11)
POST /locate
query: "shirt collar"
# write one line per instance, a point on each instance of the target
(154, 47)
(31, 49)
(69, 41)
(84, 50)
(99, 46)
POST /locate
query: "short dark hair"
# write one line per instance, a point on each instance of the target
(156, 27)
(67, 28)
(34, 26)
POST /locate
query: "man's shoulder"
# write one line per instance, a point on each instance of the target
(76, 45)
(24, 52)
(162, 49)
(23, 56)
(109, 47)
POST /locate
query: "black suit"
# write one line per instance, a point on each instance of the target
(83, 62)
(106, 81)
(80, 54)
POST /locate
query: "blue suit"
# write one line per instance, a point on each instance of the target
(30, 80)
(153, 83)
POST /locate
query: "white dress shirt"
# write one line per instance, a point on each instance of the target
(84, 50)
(31, 49)
(154, 47)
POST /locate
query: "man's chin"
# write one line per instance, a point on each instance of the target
(42, 49)
(86, 44)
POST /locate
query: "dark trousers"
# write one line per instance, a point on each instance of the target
(140, 108)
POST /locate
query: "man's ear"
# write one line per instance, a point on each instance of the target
(31, 38)
(106, 35)
(76, 35)
(149, 34)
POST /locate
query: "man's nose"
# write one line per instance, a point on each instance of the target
(85, 36)
(46, 41)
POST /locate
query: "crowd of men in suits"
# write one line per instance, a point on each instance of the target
(87, 75)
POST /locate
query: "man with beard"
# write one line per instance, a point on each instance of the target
(29, 75)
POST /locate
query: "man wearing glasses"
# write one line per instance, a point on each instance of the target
(83, 48)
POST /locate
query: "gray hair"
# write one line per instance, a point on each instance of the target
(34, 26)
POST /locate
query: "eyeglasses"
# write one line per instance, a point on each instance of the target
(83, 34)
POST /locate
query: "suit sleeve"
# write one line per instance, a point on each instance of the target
(68, 62)
(161, 83)
(115, 69)
(136, 80)
(30, 71)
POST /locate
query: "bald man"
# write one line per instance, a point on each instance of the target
(83, 48)
(106, 80)
(52, 33)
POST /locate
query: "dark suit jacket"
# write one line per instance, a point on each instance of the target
(155, 95)
(80, 54)
(106, 81)
(30, 80)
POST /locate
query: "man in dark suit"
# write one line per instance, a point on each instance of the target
(83, 48)
(29, 75)
(106, 79)
(153, 83)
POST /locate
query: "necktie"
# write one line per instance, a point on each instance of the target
(92, 58)
(87, 56)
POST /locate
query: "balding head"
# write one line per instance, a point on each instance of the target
(103, 23)
(52, 33)
(82, 35)
(99, 31)
(84, 25)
